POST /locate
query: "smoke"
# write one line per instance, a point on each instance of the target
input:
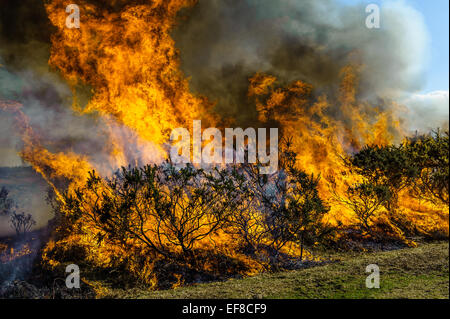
(8, 143)
(27, 189)
(428, 111)
(25, 77)
(223, 42)
(5, 229)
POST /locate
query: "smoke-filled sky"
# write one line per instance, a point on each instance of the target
(436, 18)
(223, 42)
(311, 41)
(433, 96)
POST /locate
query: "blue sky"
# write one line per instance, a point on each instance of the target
(436, 16)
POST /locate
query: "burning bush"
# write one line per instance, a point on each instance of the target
(220, 222)
(391, 177)
(367, 201)
(389, 166)
(430, 155)
(144, 216)
(279, 209)
(165, 209)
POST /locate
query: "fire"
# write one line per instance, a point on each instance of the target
(129, 61)
(319, 139)
(13, 254)
(70, 167)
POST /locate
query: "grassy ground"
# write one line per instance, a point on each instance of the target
(421, 272)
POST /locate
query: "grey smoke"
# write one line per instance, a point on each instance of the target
(223, 42)
(26, 77)
(428, 111)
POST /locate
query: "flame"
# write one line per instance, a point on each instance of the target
(13, 254)
(68, 166)
(320, 140)
(129, 61)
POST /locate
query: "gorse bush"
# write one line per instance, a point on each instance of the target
(388, 166)
(367, 201)
(219, 221)
(161, 207)
(391, 177)
(430, 153)
(163, 224)
(278, 209)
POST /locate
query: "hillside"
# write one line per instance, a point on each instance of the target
(421, 272)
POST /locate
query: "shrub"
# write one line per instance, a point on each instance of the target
(278, 209)
(366, 200)
(387, 166)
(22, 223)
(431, 154)
(164, 208)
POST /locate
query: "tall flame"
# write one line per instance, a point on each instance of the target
(129, 60)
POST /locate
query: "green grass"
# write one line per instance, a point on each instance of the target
(421, 272)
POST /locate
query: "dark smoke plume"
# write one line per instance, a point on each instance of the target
(223, 42)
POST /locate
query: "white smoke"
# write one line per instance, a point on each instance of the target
(428, 111)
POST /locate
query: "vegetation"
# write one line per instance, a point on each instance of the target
(415, 273)
(20, 222)
(430, 155)
(387, 169)
(279, 210)
(366, 200)
(418, 168)
(160, 207)
(204, 223)
(166, 226)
